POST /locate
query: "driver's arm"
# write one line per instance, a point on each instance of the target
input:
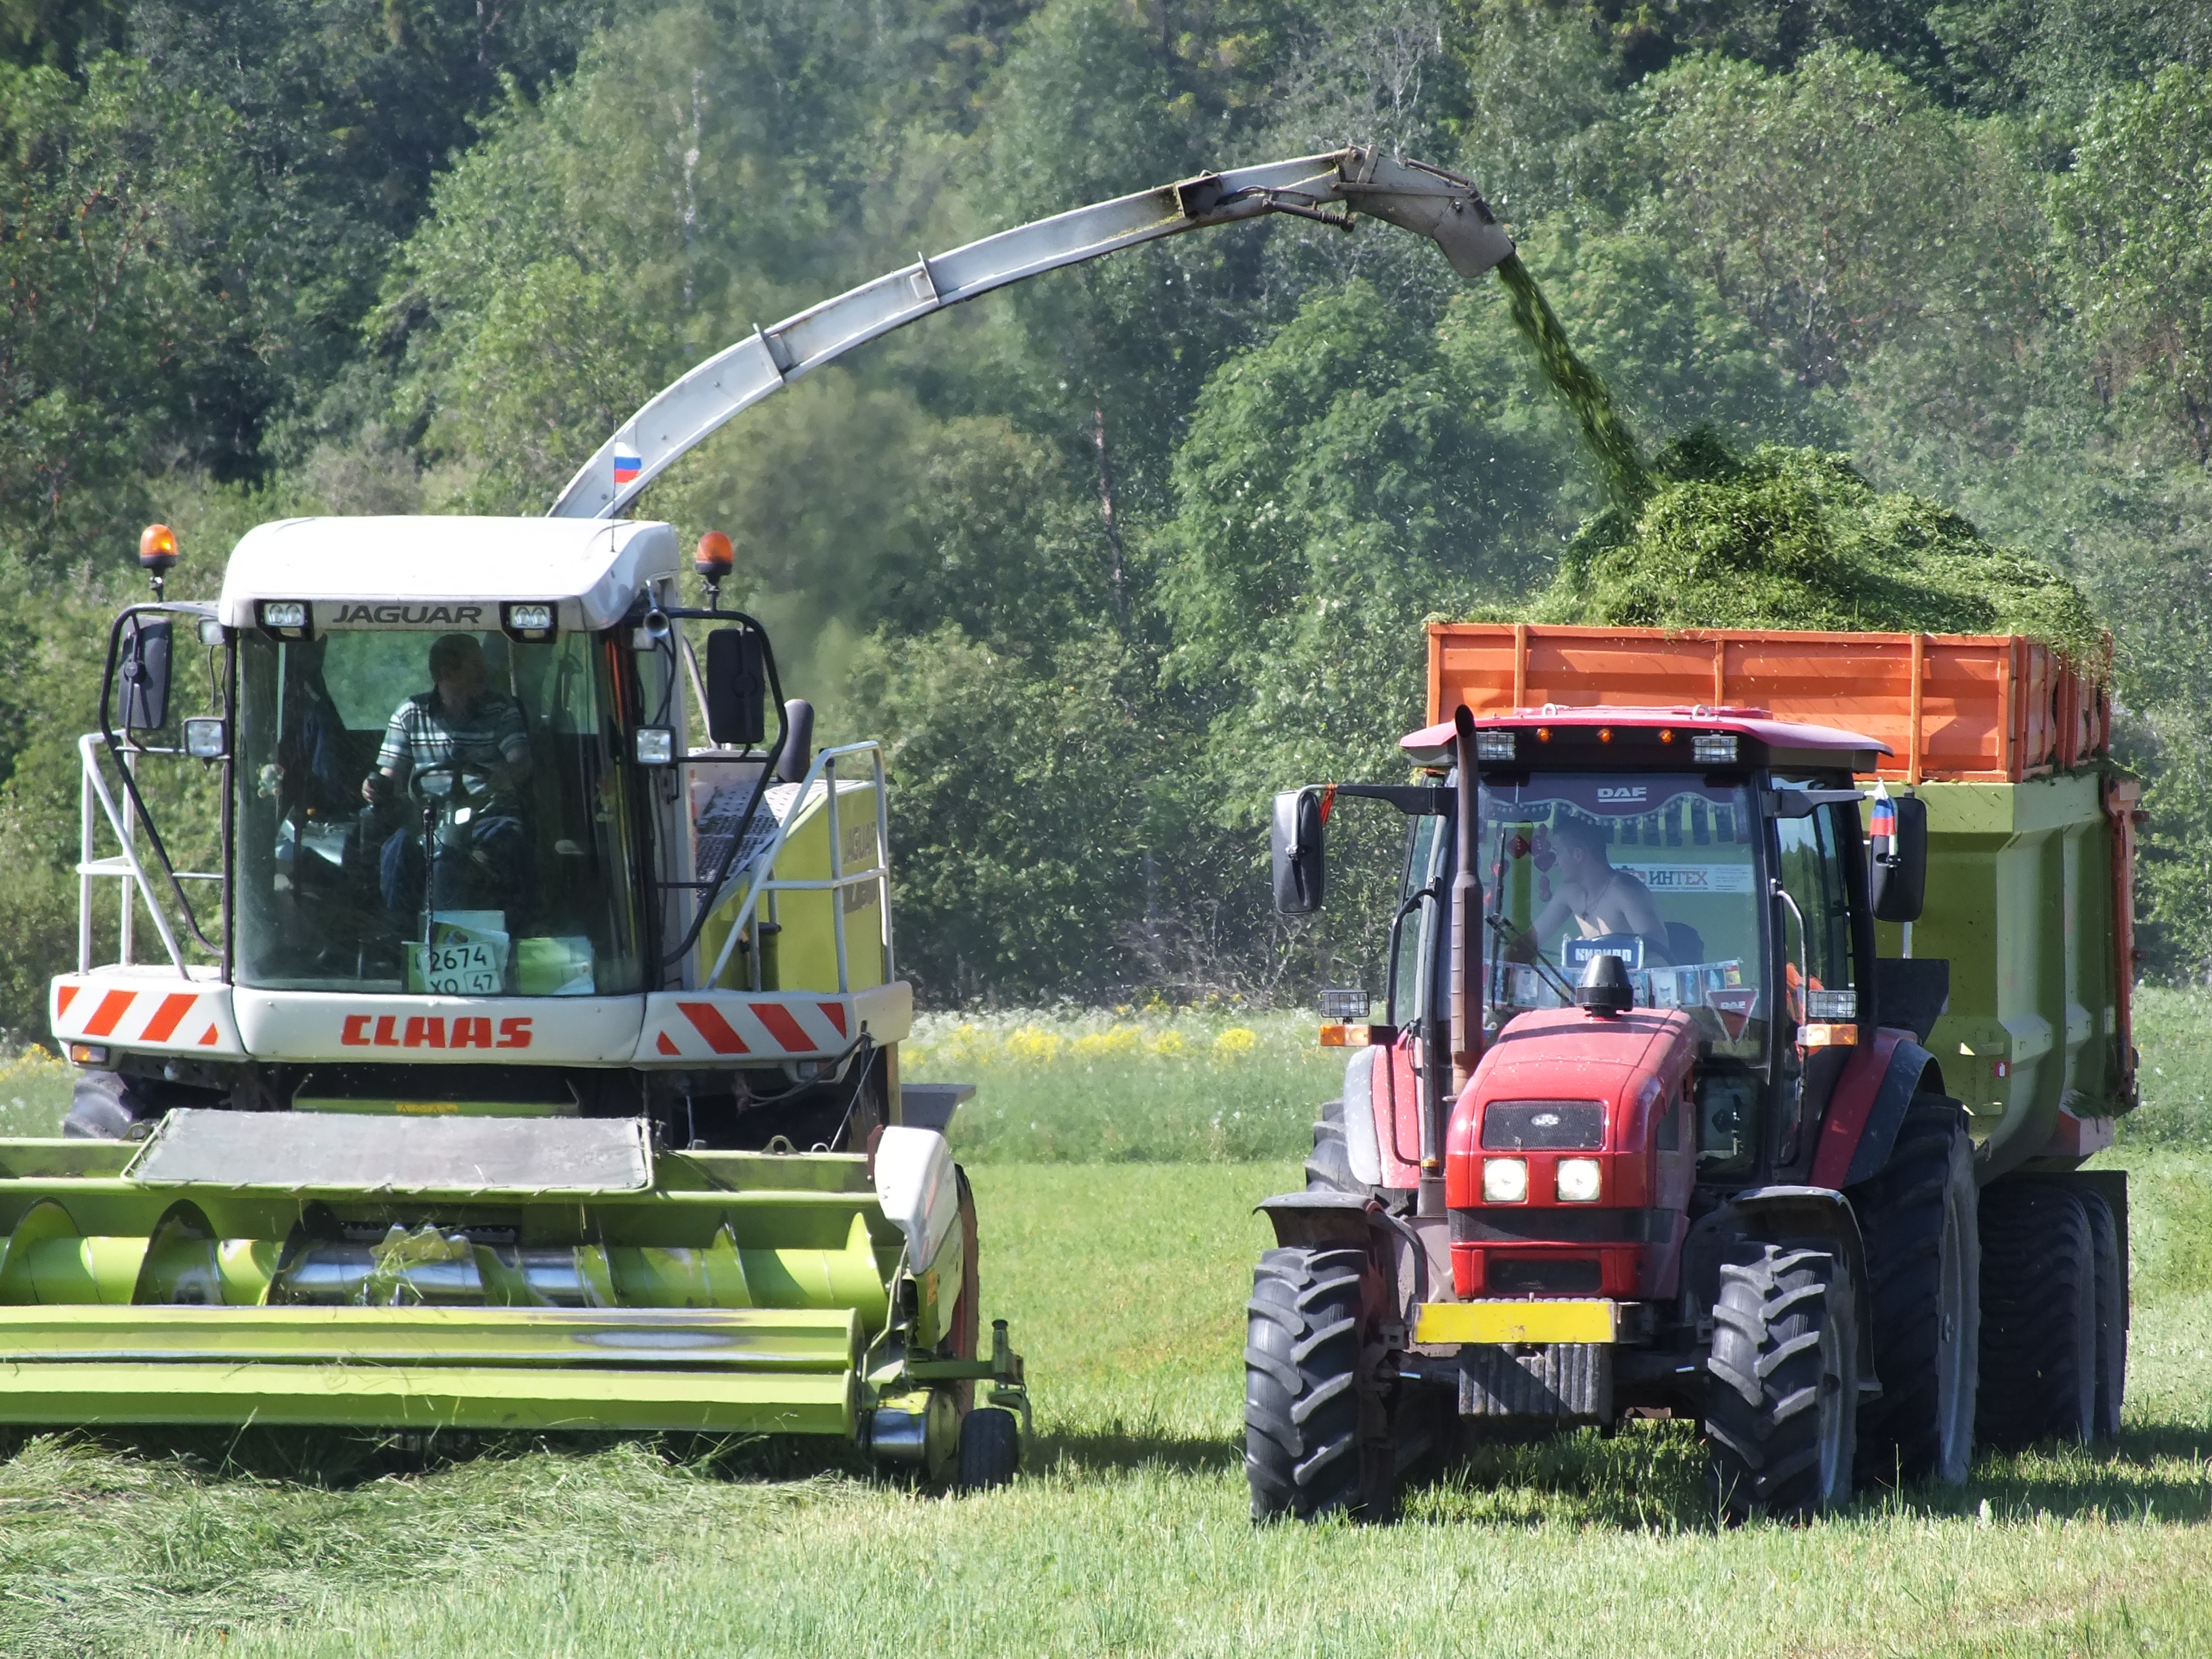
(513, 767)
(394, 761)
(1549, 920)
(1641, 913)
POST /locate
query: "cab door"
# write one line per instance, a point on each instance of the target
(1817, 1009)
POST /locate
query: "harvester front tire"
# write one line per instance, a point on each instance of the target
(2111, 1362)
(1302, 1407)
(1923, 1255)
(990, 1448)
(2039, 1315)
(1782, 1384)
(106, 1106)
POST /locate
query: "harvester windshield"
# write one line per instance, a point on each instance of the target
(1655, 868)
(433, 812)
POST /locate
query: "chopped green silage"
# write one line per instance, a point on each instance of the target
(1789, 538)
(1605, 435)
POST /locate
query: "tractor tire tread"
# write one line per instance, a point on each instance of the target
(1762, 1425)
(1302, 1408)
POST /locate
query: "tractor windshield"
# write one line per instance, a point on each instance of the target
(1657, 869)
(432, 812)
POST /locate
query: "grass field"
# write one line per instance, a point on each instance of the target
(1125, 1280)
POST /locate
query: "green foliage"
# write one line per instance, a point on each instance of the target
(2137, 212)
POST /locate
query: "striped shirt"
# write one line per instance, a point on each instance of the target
(424, 732)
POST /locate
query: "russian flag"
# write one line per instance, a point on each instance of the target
(627, 467)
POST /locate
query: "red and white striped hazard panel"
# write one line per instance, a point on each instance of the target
(735, 1025)
(162, 1014)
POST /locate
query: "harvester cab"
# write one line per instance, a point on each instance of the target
(1647, 1126)
(526, 1053)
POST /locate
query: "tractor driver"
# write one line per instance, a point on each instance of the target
(463, 722)
(1599, 899)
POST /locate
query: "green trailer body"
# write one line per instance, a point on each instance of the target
(2028, 895)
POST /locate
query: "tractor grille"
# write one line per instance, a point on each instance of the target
(1543, 1126)
(1543, 1275)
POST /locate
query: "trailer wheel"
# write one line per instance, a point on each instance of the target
(990, 1448)
(2039, 1373)
(1782, 1384)
(2112, 1361)
(1924, 1269)
(1302, 1407)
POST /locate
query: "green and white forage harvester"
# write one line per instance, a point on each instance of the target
(524, 1054)
(1753, 1003)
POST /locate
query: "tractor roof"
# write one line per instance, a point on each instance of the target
(1784, 742)
(596, 568)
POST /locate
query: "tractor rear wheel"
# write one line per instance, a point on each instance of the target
(1302, 1405)
(1782, 1384)
(2112, 1362)
(1923, 1271)
(2038, 1360)
(1329, 1169)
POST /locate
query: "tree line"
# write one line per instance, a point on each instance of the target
(1108, 558)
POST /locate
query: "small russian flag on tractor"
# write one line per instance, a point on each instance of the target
(627, 467)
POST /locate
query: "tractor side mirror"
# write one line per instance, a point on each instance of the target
(737, 688)
(141, 673)
(797, 754)
(1295, 843)
(1900, 872)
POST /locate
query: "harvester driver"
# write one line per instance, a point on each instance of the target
(474, 734)
(1602, 901)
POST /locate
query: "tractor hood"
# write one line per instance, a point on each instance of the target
(426, 571)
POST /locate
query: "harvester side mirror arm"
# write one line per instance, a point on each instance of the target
(1425, 200)
(122, 748)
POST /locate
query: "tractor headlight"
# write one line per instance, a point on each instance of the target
(656, 746)
(1577, 1181)
(1713, 748)
(1504, 1180)
(204, 737)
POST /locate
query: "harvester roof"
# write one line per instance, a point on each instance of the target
(1660, 736)
(594, 568)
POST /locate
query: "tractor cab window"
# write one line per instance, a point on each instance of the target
(434, 813)
(1656, 869)
(1816, 921)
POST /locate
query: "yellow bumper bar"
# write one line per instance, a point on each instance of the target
(1589, 1320)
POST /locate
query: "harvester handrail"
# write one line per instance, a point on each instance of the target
(824, 772)
(91, 867)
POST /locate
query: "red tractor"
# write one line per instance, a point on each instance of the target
(1648, 1128)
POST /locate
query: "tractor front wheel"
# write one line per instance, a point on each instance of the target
(1301, 1399)
(1782, 1384)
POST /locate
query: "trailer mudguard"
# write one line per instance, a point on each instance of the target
(1868, 1105)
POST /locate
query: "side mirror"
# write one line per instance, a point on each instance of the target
(1899, 874)
(737, 687)
(141, 673)
(1295, 844)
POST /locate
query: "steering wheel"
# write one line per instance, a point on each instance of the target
(443, 783)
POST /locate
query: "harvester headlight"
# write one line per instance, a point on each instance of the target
(528, 622)
(656, 746)
(285, 618)
(1496, 746)
(1713, 748)
(1577, 1181)
(1504, 1180)
(203, 736)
